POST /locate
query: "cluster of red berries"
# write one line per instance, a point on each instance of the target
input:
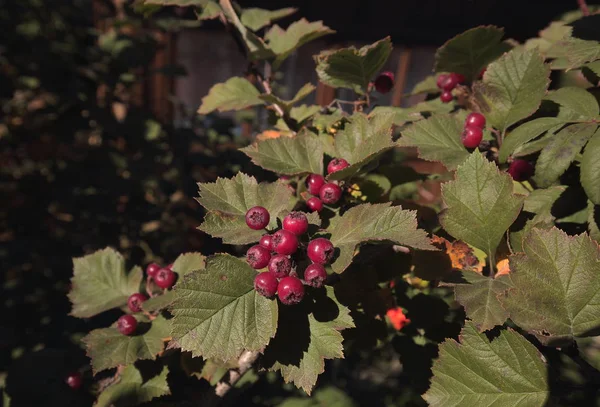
(473, 131)
(384, 82)
(447, 82)
(274, 251)
(322, 191)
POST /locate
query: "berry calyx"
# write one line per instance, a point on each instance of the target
(134, 302)
(296, 222)
(314, 182)
(265, 284)
(520, 170)
(315, 275)
(258, 257)
(127, 324)
(446, 97)
(284, 242)
(265, 241)
(257, 218)
(290, 290)
(441, 79)
(165, 278)
(330, 193)
(475, 119)
(152, 269)
(450, 83)
(280, 265)
(337, 164)
(384, 82)
(471, 136)
(74, 380)
(314, 204)
(320, 250)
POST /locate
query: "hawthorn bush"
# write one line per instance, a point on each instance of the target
(488, 296)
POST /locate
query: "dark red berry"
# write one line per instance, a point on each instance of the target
(446, 97)
(520, 170)
(460, 78)
(320, 250)
(384, 82)
(284, 242)
(127, 324)
(280, 265)
(314, 182)
(134, 302)
(441, 79)
(450, 83)
(152, 269)
(337, 164)
(165, 278)
(290, 290)
(257, 218)
(330, 193)
(315, 275)
(314, 204)
(296, 222)
(471, 136)
(475, 119)
(265, 241)
(482, 72)
(74, 380)
(266, 284)
(258, 257)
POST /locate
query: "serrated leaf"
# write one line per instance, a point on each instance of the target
(379, 222)
(414, 113)
(526, 132)
(512, 87)
(108, 348)
(427, 85)
(286, 105)
(437, 139)
(131, 389)
(540, 202)
(506, 371)
(288, 155)
(257, 18)
(590, 169)
(594, 67)
(100, 283)
(555, 285)
(235, 94)
(480, 204)
(560, 151)
(579, 52)
(255, 46)
(468, 53)
(210, 10)
(218, 314)
(594, 221)
(353, 68)
(579, 102)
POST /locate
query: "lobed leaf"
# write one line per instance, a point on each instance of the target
(235, 94)
(131, 389)
(590, 169)
(257, 18)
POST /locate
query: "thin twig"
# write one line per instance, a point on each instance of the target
(583, 7)
(245, 363)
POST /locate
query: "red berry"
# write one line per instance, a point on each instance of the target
(460, 78)
(471, 136)
(314, 204)
(446, 97)
(520, 170)
(284, 242)
(258, 257)
(482, 72)
(475, 119)
(441, 79)
(384, 82)
(127, 324)
(257, 218)
(337, 164)
(74, 380)
(315, 275)
(165, 278)
(314, 182)
(265, 241)
(280, 265)
(152, 269)
(330, 193)
(450, 83)
(320, 250)
(296, 222)
(290, 290)
(134, 302)
(266, 284)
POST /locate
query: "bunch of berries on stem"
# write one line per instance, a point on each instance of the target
(323, 191)
(447, 82)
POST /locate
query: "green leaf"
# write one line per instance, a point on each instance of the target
(324, 396)
(565, 272)
(284, 42)
(369, 223)
(468, 53)
(100, 283)
(210, 10)
(480, 204)
(512, 88)
(414, 113)
(304, 112)
(437, 139)
(590, 169)
(218, 314)
(562, 149)
(353, 68)
(257, 18)
(577, 101)
(540, 202)
(255, 46)
(235, 94)
(526, 132)
(286, 105)
(131, 389)
(479, 296)
(288, 155)
(579, 52)
(594, 221)
(427, 85)
(109, 348)
(594, 67)
(506, 371)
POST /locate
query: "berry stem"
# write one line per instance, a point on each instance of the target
(245, 362)
(583, 7)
